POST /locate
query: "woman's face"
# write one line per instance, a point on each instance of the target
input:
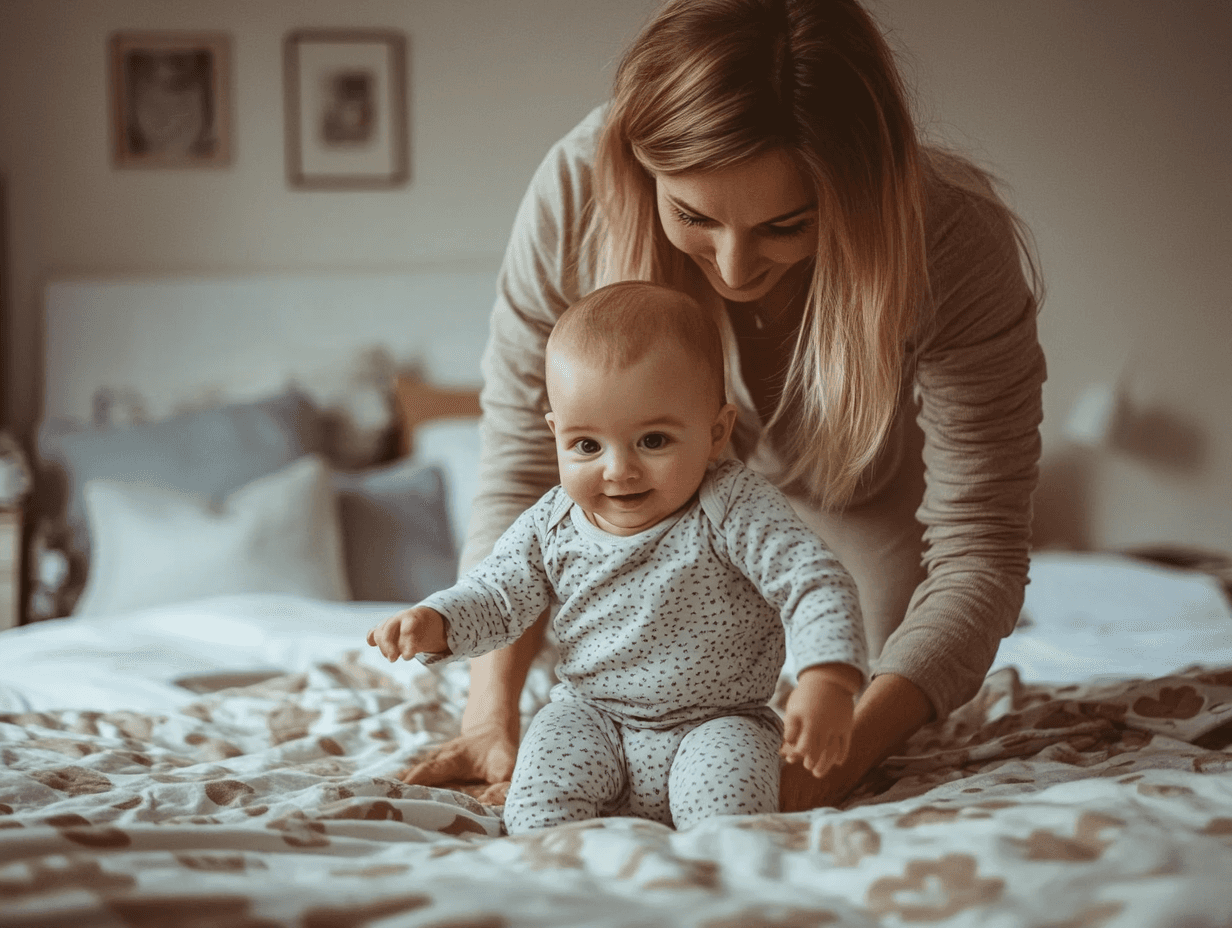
(744, 225)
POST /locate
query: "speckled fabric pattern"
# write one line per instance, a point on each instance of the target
(679, 623)
(576, 763)
(673, 627)
(277, 805)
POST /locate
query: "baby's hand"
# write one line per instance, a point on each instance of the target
(817, 722)
(410, 632)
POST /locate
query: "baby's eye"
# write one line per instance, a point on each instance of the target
(586, 446)
(655, 441)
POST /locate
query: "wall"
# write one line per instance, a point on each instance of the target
(1111, 121)
(487, 99)
(1108, 119)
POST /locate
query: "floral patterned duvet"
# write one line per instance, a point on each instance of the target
(278, 804)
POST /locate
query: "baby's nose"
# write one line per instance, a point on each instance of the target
(620, 466)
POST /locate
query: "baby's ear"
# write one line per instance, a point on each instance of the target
(720, 431)
(551, 420)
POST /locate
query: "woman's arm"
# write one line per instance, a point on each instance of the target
(485, 750)
(890, 711)
(978, 380)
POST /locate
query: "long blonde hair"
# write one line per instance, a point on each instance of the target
(712, 83)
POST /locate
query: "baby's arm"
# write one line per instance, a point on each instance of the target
(418, 630)
(489, 607)
(817, 599)
(817, 721)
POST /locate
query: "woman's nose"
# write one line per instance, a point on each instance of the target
(735, 260)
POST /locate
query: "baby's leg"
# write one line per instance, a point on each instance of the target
(569, 768)
(649, 754)
(727, 766)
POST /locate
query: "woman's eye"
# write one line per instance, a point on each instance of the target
(655, 441)
(789, 231)
(587, 446)
(689, 219)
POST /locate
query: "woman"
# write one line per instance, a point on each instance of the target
(759, 154)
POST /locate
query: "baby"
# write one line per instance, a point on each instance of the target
(672, 573)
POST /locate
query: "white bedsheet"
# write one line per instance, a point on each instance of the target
(1086, 616)
(139, 802)
(129, 661)
(1102, 615)
(278, 804)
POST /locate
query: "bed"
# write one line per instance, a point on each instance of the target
(223, 756)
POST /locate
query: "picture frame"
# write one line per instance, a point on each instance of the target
(346, 109)
(170, 99)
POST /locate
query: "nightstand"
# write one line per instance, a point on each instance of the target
(10, 567)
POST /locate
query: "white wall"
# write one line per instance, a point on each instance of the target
(1108, 119)
(493, 84)
(1111, 121)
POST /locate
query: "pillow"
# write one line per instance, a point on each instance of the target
(396, 534)
(452, 445)
(210, 452)
(152, 546)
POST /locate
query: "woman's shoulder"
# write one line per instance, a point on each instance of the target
(978, 249)
(547, 250)
(572, 156)
(961, 200)
(582, 139)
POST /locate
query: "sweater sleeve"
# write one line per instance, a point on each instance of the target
(791, 568)
(494, 602)
(543, 272)
(979, 379)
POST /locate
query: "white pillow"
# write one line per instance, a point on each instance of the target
(151, 546)
(452, 445)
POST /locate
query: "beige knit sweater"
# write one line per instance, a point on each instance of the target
(977, 381)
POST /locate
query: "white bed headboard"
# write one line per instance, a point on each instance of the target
(181, 342)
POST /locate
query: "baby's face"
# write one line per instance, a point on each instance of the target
(633, 443)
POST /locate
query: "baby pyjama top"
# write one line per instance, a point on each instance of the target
(681, 622)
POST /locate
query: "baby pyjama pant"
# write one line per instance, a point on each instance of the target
(577, 763)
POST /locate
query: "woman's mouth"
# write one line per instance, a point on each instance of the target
(746, 290)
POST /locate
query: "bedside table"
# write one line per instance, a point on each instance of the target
(10, 567)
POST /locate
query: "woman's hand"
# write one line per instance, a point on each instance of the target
(485, 751)
(418, 630)
(890, 711)
(480, 756)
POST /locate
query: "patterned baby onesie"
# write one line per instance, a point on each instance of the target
(671, 644)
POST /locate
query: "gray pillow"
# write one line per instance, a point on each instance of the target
(210, 452)
(395, 532)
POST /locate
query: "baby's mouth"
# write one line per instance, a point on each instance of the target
(629, 498)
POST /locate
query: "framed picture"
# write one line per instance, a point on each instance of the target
(346, 124)
(170, 99)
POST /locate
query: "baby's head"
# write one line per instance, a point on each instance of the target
(618, 325)
(635, 385)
